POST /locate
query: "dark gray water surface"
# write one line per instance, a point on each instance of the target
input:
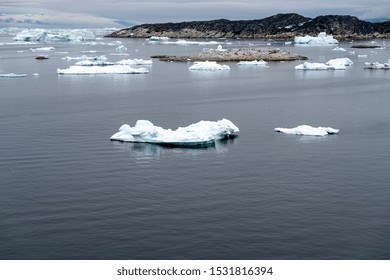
(68, 192)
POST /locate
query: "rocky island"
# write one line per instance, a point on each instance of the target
(235, 55)
(280, 26)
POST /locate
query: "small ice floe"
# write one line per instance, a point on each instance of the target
(362, 55)
(308, 130)
(121, 49)
(208, 65)
(157, 39)
(338, 49)
(93, 63)
(321, 39)
(333, 64)
(253, 63)
(203, 132)
(84, 57)
(92, 70)
(12, 75)
(90, 51)
(220, 49)
(377, 65)
(134, 61)
(36, 74)
(44, 49)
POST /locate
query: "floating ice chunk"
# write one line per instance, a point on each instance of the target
(377, 65)
(308, 130)
(121, 49)
(93, 63)
(362, 55)
(338, 49)
(208, 65)
(333, 64)
(321, 39)
(43, 49)
(12, 75)
(92, 70)
(313, 66)
(157, 39)
(199, 133)
(220, 49)
(84, 57)
(31, 35)
(340, 63)
(134, 62)
(253, 62)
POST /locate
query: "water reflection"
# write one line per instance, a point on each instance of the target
(147, 150)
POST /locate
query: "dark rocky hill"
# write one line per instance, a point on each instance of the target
(280, 26)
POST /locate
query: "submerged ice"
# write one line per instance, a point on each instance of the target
(202, 132)
(308, 130)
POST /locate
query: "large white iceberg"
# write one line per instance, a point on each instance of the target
(208, 65)
(203, 132)
(321, 39)
(333, 64)
(110, 69)
(308, 130)
(31, 35)
(43, 35)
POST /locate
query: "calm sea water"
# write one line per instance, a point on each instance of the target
(68, 192)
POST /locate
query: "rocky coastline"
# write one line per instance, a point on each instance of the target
(280, 26)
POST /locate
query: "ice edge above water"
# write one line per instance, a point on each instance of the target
(203, 132)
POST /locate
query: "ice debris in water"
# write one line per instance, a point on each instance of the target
(208, 65)
(12, 75)
(321, 39)
(253, 63)
(110, 69)
(333, 64)
(308, 130)
(377, 65)
(202, 132)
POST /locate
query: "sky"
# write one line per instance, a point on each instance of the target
(106, 13)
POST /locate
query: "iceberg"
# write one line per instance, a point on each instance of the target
(42, 35)
(201, 133)
(43, 49)
(12, 75)
(157, 38)
(338, 49)
(253, 62)
(208, 65)
(333, 64)
(321, 39)
(377, 65)
(84, 57)
(93, 63)
(121, 49)
(308, 130)
(92, 70)
(134, 62)
(31, 35)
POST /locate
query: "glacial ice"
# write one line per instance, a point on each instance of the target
(308, 130)
(43, 35)
(110, 69)
(321, 39)
(377, 65)
(339, 49)
(134, 62)
(253, 62)
(208, 65)
(333, 64)
(12, 75)
(203, 132)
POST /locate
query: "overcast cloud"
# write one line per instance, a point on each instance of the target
(151, 11)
